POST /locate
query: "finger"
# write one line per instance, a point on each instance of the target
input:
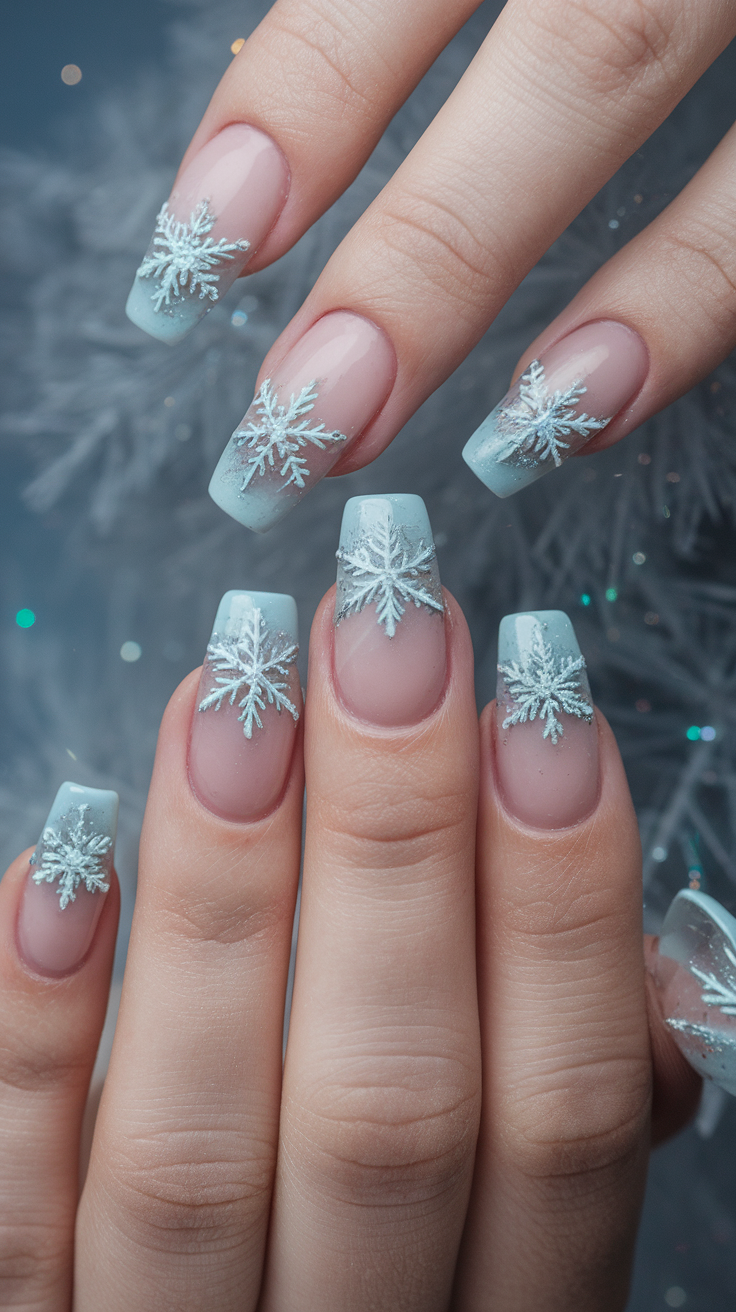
(55, 966)
(676, 1087)
(381, 1083)
(675, 286)
(559, 95)
(564, 1134)
(293, 120)
(175, 1207)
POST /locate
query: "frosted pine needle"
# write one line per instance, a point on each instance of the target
(536, 422)
(73, 854)
(256, 664)
(541, 685)
(383, 568)
(183, 257)
(278, 433)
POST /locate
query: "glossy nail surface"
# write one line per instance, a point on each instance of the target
(222, 207)
(247, 706)
(325, 391)
(557, 405)
(695, 972)
(390, 651)
(546, 736)
(68, 878)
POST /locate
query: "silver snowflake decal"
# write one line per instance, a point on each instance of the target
(535, 423)
(382, 567)
(74, 854)
(279, 433)
(717, 993)
(183, 257)
(254, 664)
(542, 685)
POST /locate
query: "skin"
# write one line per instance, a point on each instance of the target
(466, 1106)
(558, 96)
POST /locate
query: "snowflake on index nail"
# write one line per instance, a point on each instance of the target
(382, 567)
(535, 423)
(74, 854)
(279, 432)
(183, 257)
(542, 685)
(256, 664)
(717, 993)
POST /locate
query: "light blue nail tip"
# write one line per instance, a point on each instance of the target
(171, 327)
(77, 844)
(700, 1000)
(541, 672)
(387, 559)
(530, 432)
(250, 655)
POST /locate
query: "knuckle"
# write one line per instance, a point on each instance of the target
(33, 1264)
(402, 1141)
(593, 1118)
(229, 909)
(321, 70)
(175, 1189)
(612, 47)
(703, 259)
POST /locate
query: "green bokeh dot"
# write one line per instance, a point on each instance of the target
(25, 618)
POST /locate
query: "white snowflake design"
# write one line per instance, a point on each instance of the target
(383, 567)
(719, 993)
(542, 685)
(74, 854)
(256, 664)
(183, 257)
(535, 423)
(712, 1041)
(279, 433)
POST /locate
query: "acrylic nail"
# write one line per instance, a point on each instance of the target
(68, 879)
(560, 401)
(390, 651)
(247, 706)
(326, 390)
(695, 971)
(546, 736)
(222, 207)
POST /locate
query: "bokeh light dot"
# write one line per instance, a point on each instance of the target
(675, 1296)
(693, 733)
(659, 854)
(611, 594)
(237, 44)
(131, 651)
(638, 557)
(707, 733)
(585, 599)
(71, 74)
(25, 618)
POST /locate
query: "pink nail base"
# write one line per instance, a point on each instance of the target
(51, 941)
(543, 784)
(395, 681)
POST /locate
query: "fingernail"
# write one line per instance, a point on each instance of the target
(390, 651)
(223, 205)
(302, 419)
(546, 738)
(560, 401)
(68, 878)
(695, 972)
(247, 706)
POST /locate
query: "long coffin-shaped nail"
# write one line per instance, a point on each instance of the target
(326, 390)
(558, 403)
(223, 205)
(390, 650)
(247, 706)
(546, 736)
(695, 972)
(68, 878)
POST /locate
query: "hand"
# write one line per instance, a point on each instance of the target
(559, 95)
(453, 1130)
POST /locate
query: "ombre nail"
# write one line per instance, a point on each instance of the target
(695, 972)
(560, 401)
(247, 706)
(68, 878)
(222, 207)
(326, 390)
(546, 736)
(390, 650)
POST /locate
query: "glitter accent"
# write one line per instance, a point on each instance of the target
(537, 420)
(542, 685)
(381, 566)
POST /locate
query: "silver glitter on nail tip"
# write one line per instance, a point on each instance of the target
(251, 662)
(536, 421)
(182, 258)
(541, 684)
(279, 432)
(382, 567)
(73, 853)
